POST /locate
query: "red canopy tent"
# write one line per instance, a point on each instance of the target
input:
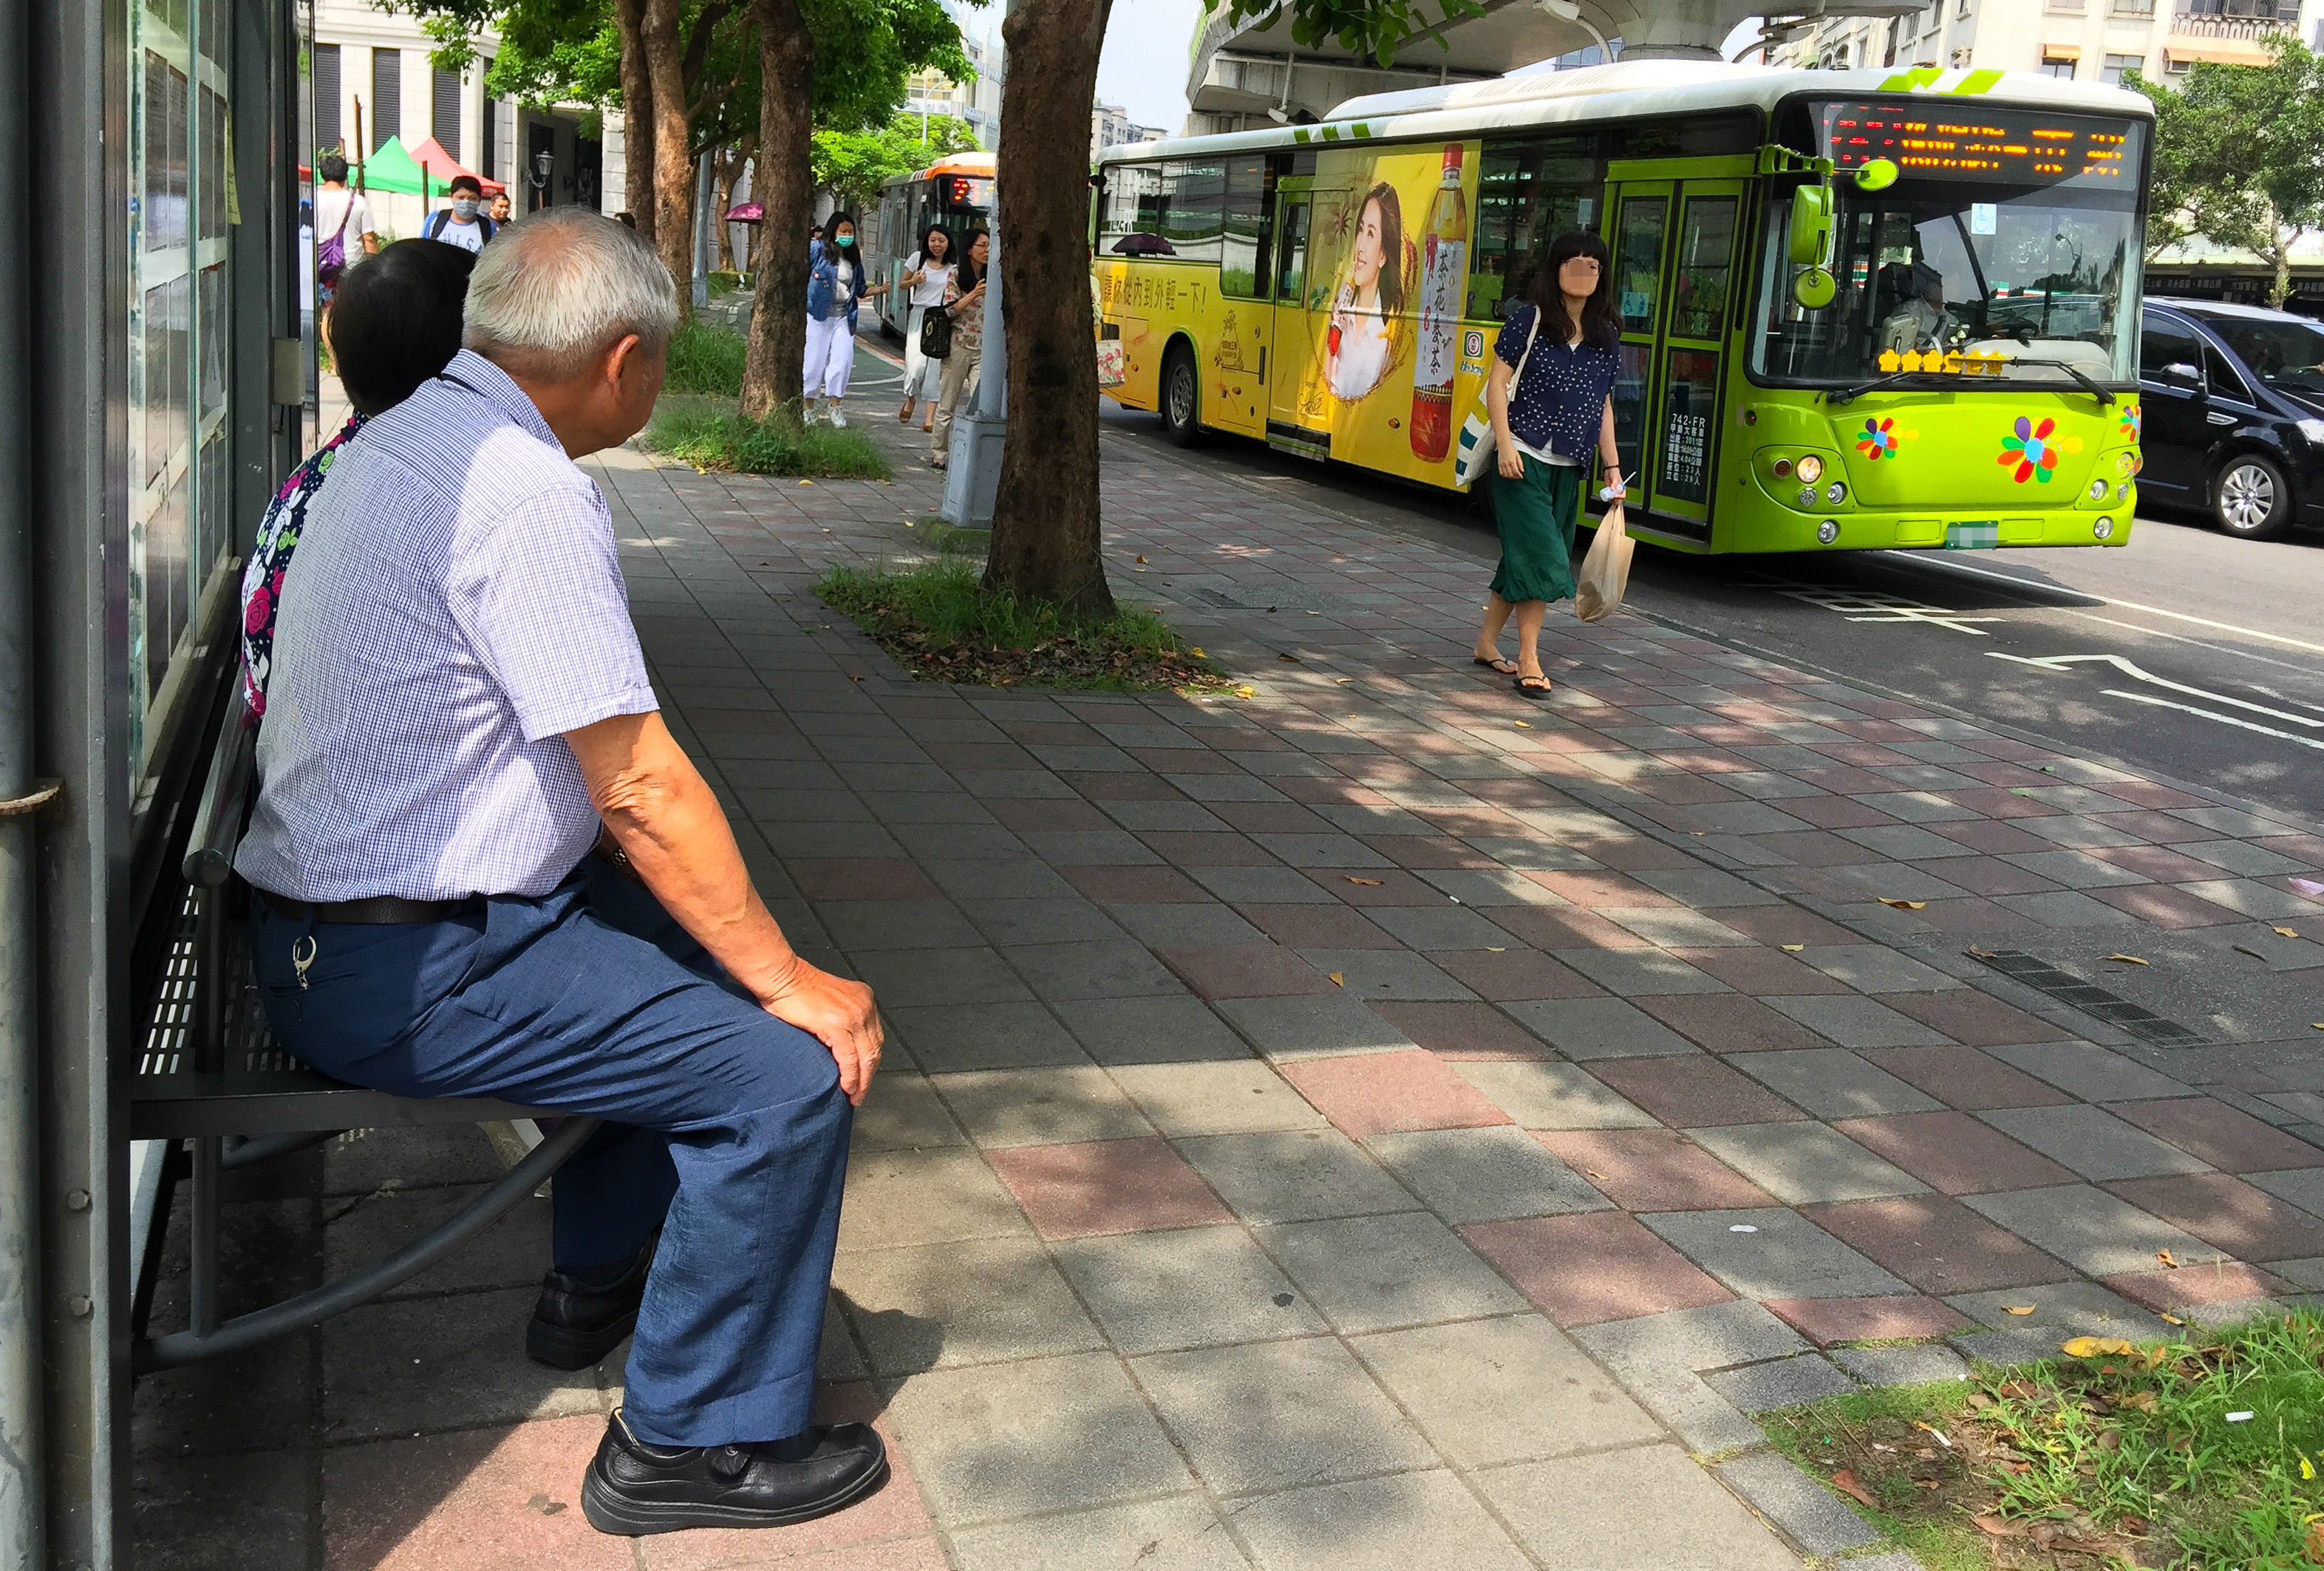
(442, 166)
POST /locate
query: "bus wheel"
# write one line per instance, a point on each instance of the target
(2251, 498)
(1182, 397)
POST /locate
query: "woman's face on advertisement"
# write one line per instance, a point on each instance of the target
(1371, 255)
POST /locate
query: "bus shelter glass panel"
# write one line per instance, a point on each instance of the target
(1242, 267)
(181, 300)
(1528, 192)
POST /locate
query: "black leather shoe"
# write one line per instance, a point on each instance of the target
(633, 1488)
(575, 1324)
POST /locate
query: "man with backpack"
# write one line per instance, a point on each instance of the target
(462, 225)
(342, 218)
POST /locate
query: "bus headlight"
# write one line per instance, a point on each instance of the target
(2124, 463)
(1835, 492)
(1811, 469)
(1827, 531)
(1783, 467)
(2097, 491)
(2103, 528)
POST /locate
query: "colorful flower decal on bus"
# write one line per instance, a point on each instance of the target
(2130, 421)
(1878, 439)
(2032, 450)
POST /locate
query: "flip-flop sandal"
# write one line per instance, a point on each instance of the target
(1526, 689)
(1508, 668)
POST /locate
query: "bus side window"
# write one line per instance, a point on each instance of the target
(1243, 270)
(1528, 192)
(1291, 275)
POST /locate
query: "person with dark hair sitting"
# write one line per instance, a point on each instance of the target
(461, 224)
(396, 323)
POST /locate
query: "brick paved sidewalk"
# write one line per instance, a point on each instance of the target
(1383, 1123)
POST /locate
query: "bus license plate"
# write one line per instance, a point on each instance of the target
(1973, 537)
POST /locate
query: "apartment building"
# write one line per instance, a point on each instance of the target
(373, 69)
(1112, 126)
(2092, 41)
(977, 100)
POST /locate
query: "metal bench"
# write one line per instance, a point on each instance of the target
(210, 1074)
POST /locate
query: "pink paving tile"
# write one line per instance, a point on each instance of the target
(2224, 1283)
(2159, 862)
(1516, 972)
(1464, 1030)
(2227, 1138)
(2229, 1214)
(1761, 973)
(1815, 848)
(1725, 1023)
(495, 1500)
(1600, 1266)
(2162, 905)
(2159, 798)
(1137, 885)
(1632, 854)
(1047, 814)
(1787, 924)
(1433, 851)
(1992, 838)
(1834, 812)
(861, 877)
(1565, 927)
(1824, 1321)
(1694, 1091)
(1965, 1078)
(1937, 1245)
(1991, 876)
(1653, 1170)
(889, 1532)
(1206, 848)
(1953, 1153)
(1113, 1186)
(1318, 927)
(1602, 889)
(1381, 886)
(1244, 971)
(1391, 1093)
(1967, 1015)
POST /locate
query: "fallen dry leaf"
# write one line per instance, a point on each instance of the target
(1197, 652)
(2247, 949)
(1928, 1484)
(1293, 659)
(2019, 1308)
(1981, 954)
(2171, 1319)
(2288, 932)
(2315, 1542)
(1368, 883)
(1845, 1480)
(1338, 980)
(2145, 1401)
(1522, 725)
(2170, 1262)
(1141, 561)
(1995, 1527)
(1599, 1177)
(2094, 1346)
(1793, 948)
(2128, 960)
(1497, 948)
(1905, 905)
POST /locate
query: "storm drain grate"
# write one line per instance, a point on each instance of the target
(2091, 1000)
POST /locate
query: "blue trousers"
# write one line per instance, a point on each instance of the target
(726, 1128)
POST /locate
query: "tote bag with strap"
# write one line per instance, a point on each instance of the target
(1606, 570)
(936, 332)
(1475, 456)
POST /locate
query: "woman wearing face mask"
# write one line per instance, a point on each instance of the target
(928, 275)
(835, 286)
(1362, 337)
(1546, 424)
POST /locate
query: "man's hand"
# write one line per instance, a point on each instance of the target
(838, 1012)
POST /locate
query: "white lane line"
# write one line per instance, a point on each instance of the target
(1874, 604)
(2058, 662)
(2036, 588)
(2212, 714)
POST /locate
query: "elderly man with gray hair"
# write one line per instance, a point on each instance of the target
(485, 868)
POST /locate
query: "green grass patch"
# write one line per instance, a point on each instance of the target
(2195, 1455)
(705, 359)
(941, 624)
(717, 439)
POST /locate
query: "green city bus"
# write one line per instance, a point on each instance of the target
(1859, 308)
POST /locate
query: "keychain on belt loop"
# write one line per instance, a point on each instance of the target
(302, 956)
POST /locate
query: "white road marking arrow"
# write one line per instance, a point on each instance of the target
(2062, 663)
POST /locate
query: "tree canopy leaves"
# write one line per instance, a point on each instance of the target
(855, 165)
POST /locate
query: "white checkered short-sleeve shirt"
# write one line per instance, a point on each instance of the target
(456, 607)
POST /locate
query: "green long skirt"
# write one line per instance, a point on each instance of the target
(1539, 517)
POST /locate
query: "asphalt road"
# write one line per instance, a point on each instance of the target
(2184, 653)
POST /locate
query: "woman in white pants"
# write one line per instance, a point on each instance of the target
(966, 308)
(927, 275)
(835, 286)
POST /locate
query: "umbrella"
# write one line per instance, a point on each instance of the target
(391, 169)
(441, 165)
(746, 213)
(1144, 245)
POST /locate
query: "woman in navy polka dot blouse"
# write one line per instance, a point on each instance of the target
(1544, 428)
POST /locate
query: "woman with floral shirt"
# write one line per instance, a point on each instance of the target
(965, 302)
(395, 324)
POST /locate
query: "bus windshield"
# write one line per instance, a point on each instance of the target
(2032, 253)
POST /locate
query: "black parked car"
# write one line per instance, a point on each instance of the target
(2234, 402)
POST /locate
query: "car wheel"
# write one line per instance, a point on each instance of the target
(1182, 397)
(2251, 498)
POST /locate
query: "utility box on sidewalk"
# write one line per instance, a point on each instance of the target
(972, 470)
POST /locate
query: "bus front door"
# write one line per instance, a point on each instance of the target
(1674, 244)
(1297, 419)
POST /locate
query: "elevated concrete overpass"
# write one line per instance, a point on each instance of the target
(1251, 74)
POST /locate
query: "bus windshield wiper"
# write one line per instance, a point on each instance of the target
(1846, 394)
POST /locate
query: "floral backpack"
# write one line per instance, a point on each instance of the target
(270, 559)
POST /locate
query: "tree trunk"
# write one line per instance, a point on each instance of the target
(673, 176)
(784, 187)
(2280, 286)
(725, 170)
(1045, 522)
(637, 116)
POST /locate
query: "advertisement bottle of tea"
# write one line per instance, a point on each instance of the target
(1444, 270)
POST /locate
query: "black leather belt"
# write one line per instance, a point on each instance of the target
(378, 912)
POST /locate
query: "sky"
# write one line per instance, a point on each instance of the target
(1143, 68)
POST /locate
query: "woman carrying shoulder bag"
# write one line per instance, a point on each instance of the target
(1546, 423)
(966, 307)
(927, 274)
